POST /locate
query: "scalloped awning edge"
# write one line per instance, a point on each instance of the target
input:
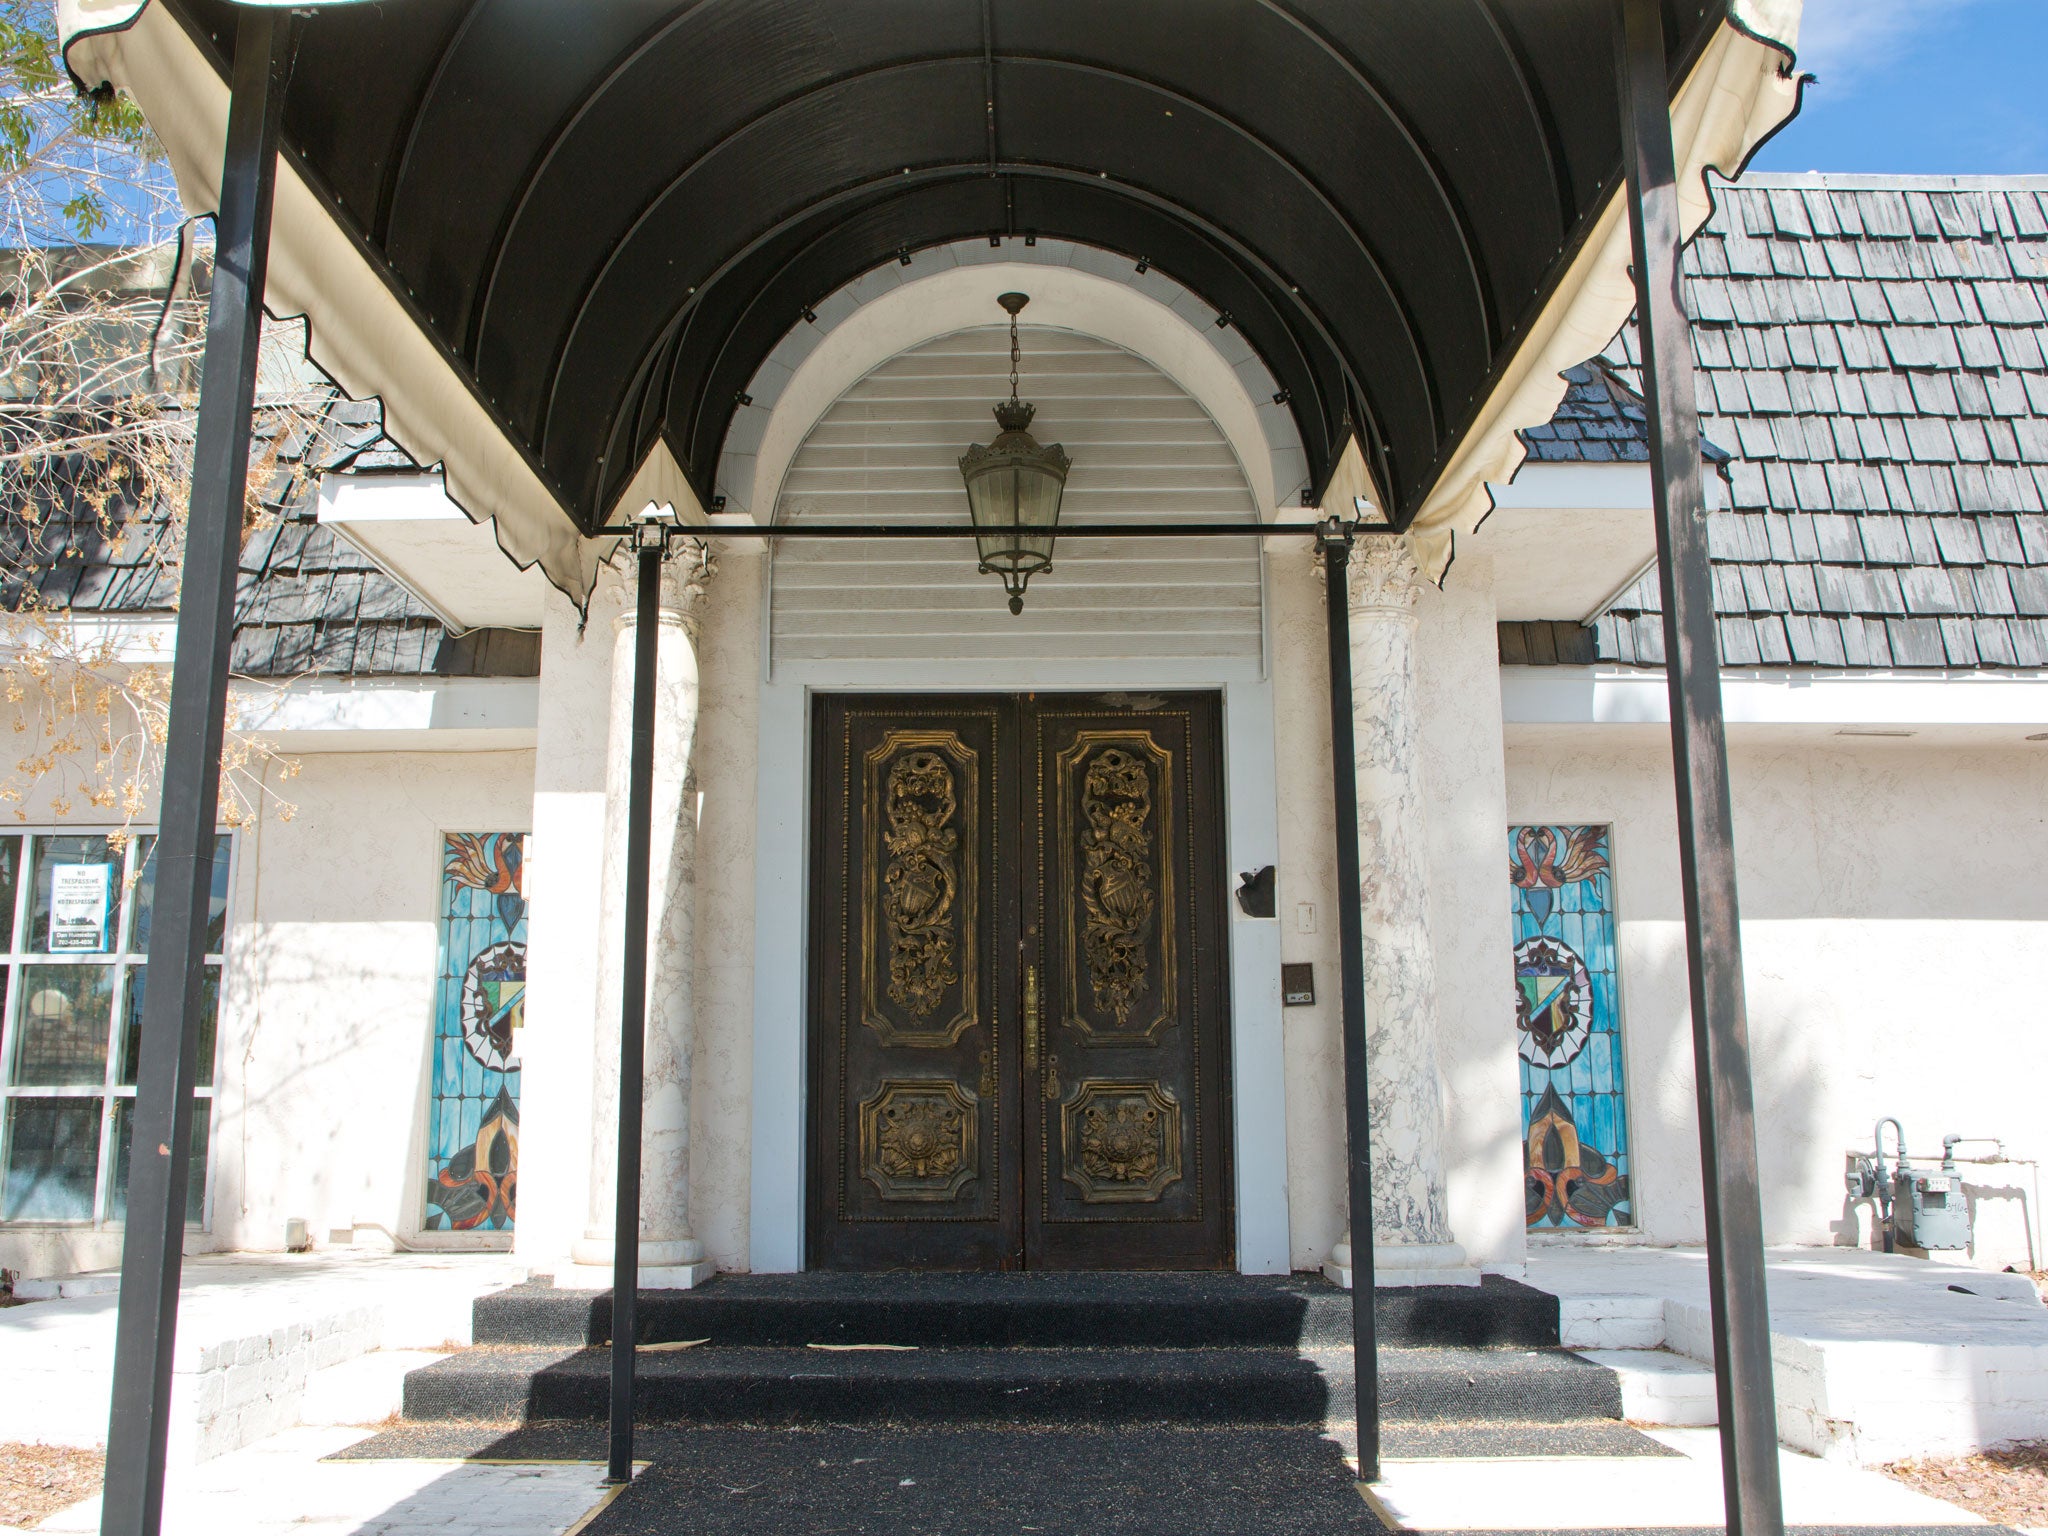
(358, 333)
(1741, 91)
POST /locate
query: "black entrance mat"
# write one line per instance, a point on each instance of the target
(851, 1482)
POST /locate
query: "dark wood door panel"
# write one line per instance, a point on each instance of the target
(909, 1164)
(1125, 1122)
(1018, 1017)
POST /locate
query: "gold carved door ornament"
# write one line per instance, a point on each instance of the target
(1117, 878)
(921, 880)
(920, 1139)
(1121, 1141)
(919, 909)
(1115, 805)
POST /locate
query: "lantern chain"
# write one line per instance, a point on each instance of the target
(1016, 356)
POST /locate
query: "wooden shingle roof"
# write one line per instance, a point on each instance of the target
(1871, 358)
(307, 601)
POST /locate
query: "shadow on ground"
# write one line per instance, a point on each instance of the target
(885, 1480)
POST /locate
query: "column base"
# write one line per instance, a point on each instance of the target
(1397, 1265)
(674, 1265)
(653, 1277)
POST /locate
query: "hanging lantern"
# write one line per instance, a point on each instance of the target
(1014, 487)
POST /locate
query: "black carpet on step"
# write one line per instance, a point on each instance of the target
(851, 1482)
(580, 1440)
(1045, 1310)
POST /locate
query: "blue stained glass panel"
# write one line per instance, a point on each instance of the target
(1568, 1028)
(479, 1000)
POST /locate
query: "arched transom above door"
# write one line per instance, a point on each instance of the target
(887, 451)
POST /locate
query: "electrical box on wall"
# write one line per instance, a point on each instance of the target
(1298, 985)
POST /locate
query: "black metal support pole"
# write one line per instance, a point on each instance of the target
(1365, 1349)
(633, 1011)
(1706, 830)
(153, 1248)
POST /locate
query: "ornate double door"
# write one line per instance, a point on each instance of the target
(1018, 1016)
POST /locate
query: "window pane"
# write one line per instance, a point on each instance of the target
(60, 1033)
(131, 1027)
(10, 870)
(84, 868)
(124, 1137)
(145, 897)
(53, 1156)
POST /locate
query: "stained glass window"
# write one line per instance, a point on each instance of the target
(480, 1000)
(1568, 1028)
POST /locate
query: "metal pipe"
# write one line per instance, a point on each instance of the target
(1365, 1356)
(152, 1248)
(633, 1013)
(1736, 1286)
(1887, 1236)
(966, 530)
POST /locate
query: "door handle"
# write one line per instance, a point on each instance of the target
(1031, 1024)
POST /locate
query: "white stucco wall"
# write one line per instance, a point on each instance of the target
(327, 1007)
(729, 663)
(1458, 659)
(562, 921)
(1895, 932)
(330, 992)
(1459, 690)
(1307, 875)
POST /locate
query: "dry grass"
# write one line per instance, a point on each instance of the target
(2005, 1487)
(39, 1480)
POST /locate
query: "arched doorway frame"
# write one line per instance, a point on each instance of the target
(1175, 332)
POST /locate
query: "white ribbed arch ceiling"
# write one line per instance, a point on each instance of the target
(1143, 451)
(897, 308)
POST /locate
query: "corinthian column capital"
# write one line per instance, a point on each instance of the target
(685, 580)
(1383, 579)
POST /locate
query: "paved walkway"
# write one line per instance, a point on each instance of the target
(283, 1487)
(882, 1482)
(252, 1328)
(1642, 1494)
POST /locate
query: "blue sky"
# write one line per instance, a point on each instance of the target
(1942, 87)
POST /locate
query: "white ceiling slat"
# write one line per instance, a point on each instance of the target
(989, 646)
(1143, 451)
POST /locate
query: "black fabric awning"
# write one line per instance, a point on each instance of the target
(603, 215)
(609, 213)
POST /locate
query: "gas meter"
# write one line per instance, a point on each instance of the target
(1922, 1209)
(1928, 1208)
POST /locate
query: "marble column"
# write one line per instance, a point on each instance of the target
(670, 1255)
(1412, 1239)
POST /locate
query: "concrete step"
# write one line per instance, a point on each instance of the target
(366, 1390)
(1658, 1387)
(1167, 1311)
(729, 1384)
(69, 1287)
